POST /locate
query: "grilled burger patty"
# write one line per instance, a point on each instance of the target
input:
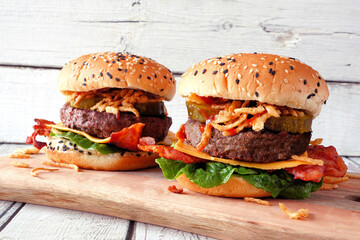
(102, 124)
(250, 146)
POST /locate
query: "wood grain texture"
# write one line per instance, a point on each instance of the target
(180, 33)
(28, 93)
(40, 222)
(143, 196)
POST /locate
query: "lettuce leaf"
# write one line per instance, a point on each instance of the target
(211, 174)
(85, 143)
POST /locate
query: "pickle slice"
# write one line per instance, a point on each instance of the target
(289, 124)
(200, 112)
(86, 103)
(151, 108)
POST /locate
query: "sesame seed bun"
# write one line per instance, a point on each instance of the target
(107, 162)
(116, 70)
(267, 78)
(236, 187)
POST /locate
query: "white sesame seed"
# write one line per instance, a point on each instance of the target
(286, 81)
(276, 59)
(245, 67)
(313, 75)
(282, 61)
(239, 75)
(264, 66)
(262, 58)
(226, 75)
(286, 71)
(251, 70)
(202, 80)
(254, 65)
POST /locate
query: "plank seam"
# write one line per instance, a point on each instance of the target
(11, 217)
(7, 209)
(130, 232)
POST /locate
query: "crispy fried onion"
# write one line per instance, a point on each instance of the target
(257, 200)
(236, 115)
(35, 174)
(114, 101)
(62, 165)
(19, 164)
(300, 214)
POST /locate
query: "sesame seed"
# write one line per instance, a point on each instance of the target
(225, 71)
(93, 75)
(161, 90)
(254, 65)
(140, 76)
(256, 94)
(155, 76)
(61, 141)
(256, 75)
(117, 79)
(239, 75)
(84, 79)
(89, 153)
(113, 61)
(319, 77)
(270, 63)
(81, 151)
(237, 81)
(148, 77)
(138, 155)
(165, 77)
(195, 73)
(270, 70)
(273, 73)
(204, 71)
(286, 71)
(305, 82)
(316, 91)
(228, 59)
(215, 72)
(125, 70)
(74, 63)
(311, 95)
(325, 102)
(84, 84)
(107, 61)
(318, 84)
(222, 64)
(285, 80)
(101, 74)
(119, 69)
(291, 67)
(110, 76)
(245, 67)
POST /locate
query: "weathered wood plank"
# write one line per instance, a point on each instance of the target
(353, 164)
(148, 232)
(8, 210)
(180, 33)
(40, 222)
(31, 93)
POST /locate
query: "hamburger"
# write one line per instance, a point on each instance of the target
(113, 101)
(249, 129)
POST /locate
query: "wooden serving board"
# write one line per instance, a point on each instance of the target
(143, 196)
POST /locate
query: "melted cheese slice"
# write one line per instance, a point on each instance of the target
(168, 140)
(91, 138)
(265, 166)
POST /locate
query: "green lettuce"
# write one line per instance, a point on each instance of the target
(211, 174)
(85, 143)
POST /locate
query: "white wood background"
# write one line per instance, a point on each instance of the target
(38, 37)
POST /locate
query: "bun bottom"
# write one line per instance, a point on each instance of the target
(108, 162)
(236, 187)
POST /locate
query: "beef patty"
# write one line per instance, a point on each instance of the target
(250, 146)
(102, 124)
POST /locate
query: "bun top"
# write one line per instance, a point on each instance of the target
(116, 70)
(267, 78)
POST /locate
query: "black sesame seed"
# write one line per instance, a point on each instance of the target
(273, 73)
(119, 69)
(75, 148)
(225, 71)
(316, 91)
(233, 60)
(305, 82)
(215, 72)
(141, 63)
(84, 84)
(70, 144)
(83, 63)
(161, 90)
(75, 145)
(291, 67)
(89, 153)
(195, 73)
(122, 153)
(256, 94)
(148, 77)
(292, 58)
(93, 76)
(171, 78)
(117, 79)
(319, 77)
(50, 143)
(325, 102)
(125, 70)
(270, 63)
(311, 95)
(318, 84)
(255, 52)
(110, 76)
(84, 79)
(138, 155)
(74, 63)
(270, 70)
(58, 148)
(61, 141)
(101, 74)
(256, 75)
(204, 71)
(107, 61)
(81, 151)
(228, 59)
(113, 61)
(140, 76)
(237, 81)
(218, 58)
(165, 77)
(222, 64)
(155, 76)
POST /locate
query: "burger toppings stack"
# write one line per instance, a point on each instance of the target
(114, 101)
(249, 129)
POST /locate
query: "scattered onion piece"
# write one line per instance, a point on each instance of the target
(63, 165)
(174, 189)
(300, 214)
(256, 200)
(30, 150)
(35, 174)
(19, 155)
(19, 164)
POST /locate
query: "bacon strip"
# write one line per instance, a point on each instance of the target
(128, 138)
(333, 165)
(170, 153)
(40, 129)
